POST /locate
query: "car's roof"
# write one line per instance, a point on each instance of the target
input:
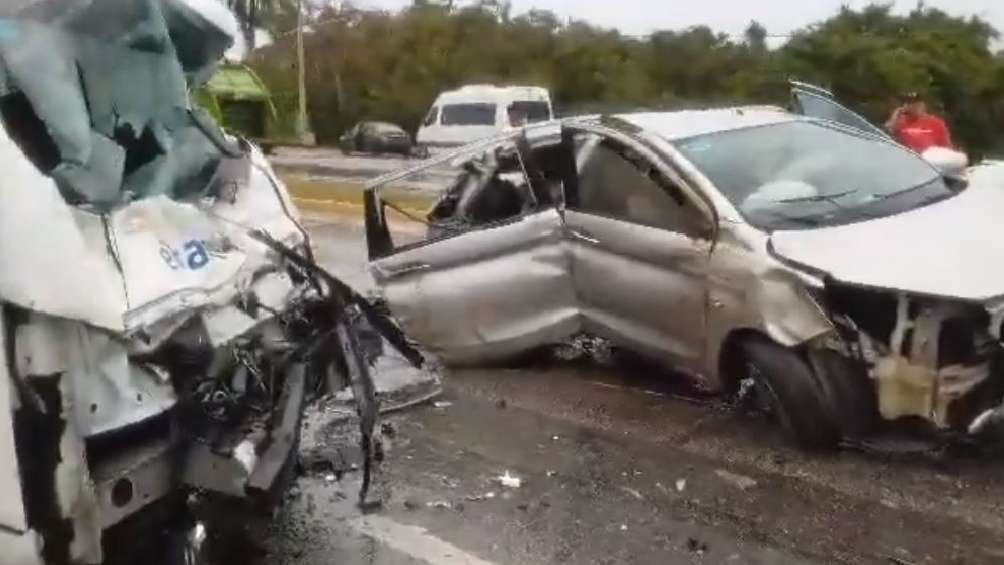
(490, 93)
(383, 125)
(688, 123)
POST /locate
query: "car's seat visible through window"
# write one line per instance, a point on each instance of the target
(615, 181)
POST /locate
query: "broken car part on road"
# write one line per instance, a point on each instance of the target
(842, 276)
(163, 322)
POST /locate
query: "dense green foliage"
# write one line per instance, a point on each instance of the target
(391, 66)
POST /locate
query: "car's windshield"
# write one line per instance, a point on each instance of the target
(478, 114)
(805, 174)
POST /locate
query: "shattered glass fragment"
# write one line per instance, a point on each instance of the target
(40, 64)
(105, 107)
(99, 179)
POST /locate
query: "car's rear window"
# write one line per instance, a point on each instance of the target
(534, 111)
(468, 115)
(382, 127)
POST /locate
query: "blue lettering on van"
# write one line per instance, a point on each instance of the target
(192, 255)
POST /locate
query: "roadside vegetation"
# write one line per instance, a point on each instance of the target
(390, 66)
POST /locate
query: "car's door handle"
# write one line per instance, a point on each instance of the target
(583, 235)
(406, 268)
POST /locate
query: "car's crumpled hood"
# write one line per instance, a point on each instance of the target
(954, 248)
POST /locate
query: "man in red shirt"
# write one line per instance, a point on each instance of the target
(912, 126)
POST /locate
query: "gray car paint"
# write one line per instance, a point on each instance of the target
(659, 292)
(487, 294)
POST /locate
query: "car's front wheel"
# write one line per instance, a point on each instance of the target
(786, 384)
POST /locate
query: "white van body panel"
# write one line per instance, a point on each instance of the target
(439, 130)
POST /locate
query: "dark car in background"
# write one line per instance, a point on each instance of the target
(376, 137)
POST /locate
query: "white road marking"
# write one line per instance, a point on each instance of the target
(414, 541)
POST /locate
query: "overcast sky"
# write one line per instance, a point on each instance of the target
(639, 17)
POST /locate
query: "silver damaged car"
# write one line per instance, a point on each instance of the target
(844, 277)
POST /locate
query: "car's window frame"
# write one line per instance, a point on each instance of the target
(375, 212)
(665, 165)
(431, 118)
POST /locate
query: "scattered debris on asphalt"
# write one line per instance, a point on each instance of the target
(633, 493)
(681, 485)
(741, 482)
(696, 546)
(510, 481)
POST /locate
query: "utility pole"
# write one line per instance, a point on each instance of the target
(303, 133)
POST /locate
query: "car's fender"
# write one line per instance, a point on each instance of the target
(749, 290)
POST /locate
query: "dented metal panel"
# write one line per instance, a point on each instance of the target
(133, 479)
(269, 294)
(109, 391)
(173, 257)
(69, 247)
(749, 290)
(75, 495)
(643, 287)
(486, 294)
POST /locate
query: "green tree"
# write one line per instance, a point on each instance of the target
(390, 66)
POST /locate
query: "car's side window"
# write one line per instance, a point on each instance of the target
(618, 182)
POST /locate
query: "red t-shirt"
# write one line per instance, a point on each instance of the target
(922, 132)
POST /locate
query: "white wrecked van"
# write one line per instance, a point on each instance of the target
(162, 323)
(475, 112)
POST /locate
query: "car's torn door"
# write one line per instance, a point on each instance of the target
(479, 273)
(640, 247)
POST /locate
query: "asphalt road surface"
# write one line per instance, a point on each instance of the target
(620, 463)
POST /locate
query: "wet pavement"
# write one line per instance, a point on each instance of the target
(619, 463)
(332, 163)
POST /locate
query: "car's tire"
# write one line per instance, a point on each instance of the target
(847, 391)
(790, 389)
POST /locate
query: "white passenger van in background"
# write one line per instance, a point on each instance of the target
(474, 112)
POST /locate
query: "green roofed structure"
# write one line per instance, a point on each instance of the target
(239, 99)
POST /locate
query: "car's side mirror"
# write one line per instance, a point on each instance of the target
(951, 163)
